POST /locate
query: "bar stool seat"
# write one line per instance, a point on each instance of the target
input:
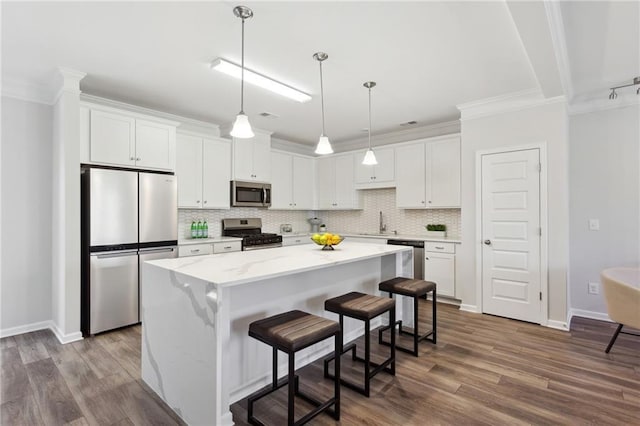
(363, 307)
(290, 332)
(416, 289)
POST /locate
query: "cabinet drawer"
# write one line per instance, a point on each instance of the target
(194, 250)
(293, 241)
(440, 247)
(228, 246)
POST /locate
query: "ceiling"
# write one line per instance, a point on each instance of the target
(427, 57)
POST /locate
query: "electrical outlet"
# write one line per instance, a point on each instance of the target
(594, 288)
(594, 224)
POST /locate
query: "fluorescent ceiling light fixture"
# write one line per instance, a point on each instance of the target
(259, 80)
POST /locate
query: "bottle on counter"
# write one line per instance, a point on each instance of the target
(205, 229)
(194, 229)
(199, 229)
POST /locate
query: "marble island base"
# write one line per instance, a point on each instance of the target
(196, 353)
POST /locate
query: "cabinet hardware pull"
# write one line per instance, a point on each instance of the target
(422, 201)
(227, 247)
(429, 201)
(205, 201)
(138, 159)
(426, 258)
(132, 158)
(195, 250)
(198, 202)
(440, 248)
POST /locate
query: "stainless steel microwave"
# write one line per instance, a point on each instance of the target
(250, 194)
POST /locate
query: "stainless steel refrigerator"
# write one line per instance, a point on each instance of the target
(127, 217)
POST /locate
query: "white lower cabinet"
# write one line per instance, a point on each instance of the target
(294, 240)
(440, 267)
(227, 246)
(194, 250)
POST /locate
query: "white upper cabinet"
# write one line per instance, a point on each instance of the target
(126, 139)
(251, 158)
(382, 175)
(428, 174)
(291, 182)
(336, 186)
(203, 168)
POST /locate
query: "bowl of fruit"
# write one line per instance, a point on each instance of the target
(327, 240)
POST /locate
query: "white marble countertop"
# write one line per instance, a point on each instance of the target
(188, 241)
(228, 269)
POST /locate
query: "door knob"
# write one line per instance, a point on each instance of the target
(487, 242)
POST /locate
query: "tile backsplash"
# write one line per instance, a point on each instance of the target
(365, 220)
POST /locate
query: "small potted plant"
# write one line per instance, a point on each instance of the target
(436, 230)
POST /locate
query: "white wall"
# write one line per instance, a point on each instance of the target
(26, 214)
(604, 181)
(545, 123)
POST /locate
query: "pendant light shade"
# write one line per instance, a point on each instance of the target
(324, 146)
(369, 156)
(241, 127)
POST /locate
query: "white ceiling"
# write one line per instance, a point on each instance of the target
(427, 57)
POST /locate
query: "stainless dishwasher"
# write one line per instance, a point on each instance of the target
(418, 255)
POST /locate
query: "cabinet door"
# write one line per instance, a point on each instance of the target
(302, 178)
(216, 174)
(345, 185)
(112, 138)
(440, 268)
(155, 145)
(444, 160)
(281, 182)
(243, 159)
(189, 171)
(410, 176)
(386, 167)
(363, 174)
(261, 156)
(326, 182)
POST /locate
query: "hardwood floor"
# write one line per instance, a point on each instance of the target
(484, 370)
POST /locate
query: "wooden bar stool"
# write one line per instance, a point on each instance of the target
(416, 289)
(290, 332)
(363, 307)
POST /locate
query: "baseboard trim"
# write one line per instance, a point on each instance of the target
(558, 325)
(28, 328)
(602, 316)
(227, 419)
(65, 338)
(469, 308)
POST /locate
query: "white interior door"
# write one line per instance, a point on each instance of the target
(511, 235)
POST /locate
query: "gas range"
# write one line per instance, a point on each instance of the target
(250, 230)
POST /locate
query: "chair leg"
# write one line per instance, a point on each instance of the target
(274, 366)
(613, 338)
(434, 317)
(292, 390)
(367, 358)
(416, 334)
(336, 392)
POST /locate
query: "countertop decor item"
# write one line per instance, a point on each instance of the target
(436, 230)
(327, 240)
(314, 221)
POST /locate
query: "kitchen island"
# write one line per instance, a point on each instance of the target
(196, 311)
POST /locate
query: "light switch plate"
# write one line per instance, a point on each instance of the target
(594, 288)
(594, 224)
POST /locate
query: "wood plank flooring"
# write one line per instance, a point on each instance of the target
(484, 370)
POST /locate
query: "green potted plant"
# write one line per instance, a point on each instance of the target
(436, 230)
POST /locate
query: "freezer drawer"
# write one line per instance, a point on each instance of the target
(113, 290)
(153, 254)
(158, 208)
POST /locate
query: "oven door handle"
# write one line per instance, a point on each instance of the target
(264, 195)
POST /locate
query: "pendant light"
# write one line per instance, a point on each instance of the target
(369, 157)
(324, 146)
(241, 127)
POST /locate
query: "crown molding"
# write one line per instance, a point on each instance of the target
(292, 147)
(557, 30)
(510, 102)
(68, 81)
(404, 135)
(601, 103)
(27, 91)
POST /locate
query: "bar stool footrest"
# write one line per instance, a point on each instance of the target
(398, 323)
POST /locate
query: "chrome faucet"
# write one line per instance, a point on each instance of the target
(383, 227)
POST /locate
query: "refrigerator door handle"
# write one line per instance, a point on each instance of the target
(116, 254)
(157, 250)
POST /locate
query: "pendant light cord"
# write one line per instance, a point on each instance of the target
(369, 118)
(242, 73)
(322, 97)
